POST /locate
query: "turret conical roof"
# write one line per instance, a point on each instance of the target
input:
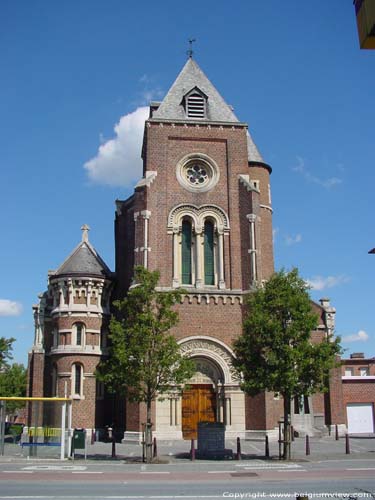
(84, 260)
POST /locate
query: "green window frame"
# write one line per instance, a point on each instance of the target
(186, 257)
(209, 258)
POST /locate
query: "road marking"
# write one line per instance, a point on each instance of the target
(55, 467)
(153, 472)
(86, 472)
(221, 471)
(286, 470)
(362, 468)
(18, 471)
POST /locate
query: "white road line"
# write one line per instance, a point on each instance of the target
(362, 468)
(86, 472)
(221, 471)
(294, 470)
(18, 471)
(153, 472)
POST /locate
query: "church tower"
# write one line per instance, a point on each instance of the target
(202, 216)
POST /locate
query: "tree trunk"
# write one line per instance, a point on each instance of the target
(286, 439)
(148, 432)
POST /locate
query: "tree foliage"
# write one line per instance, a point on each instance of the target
(5, 350)
(13, 381)
(275, 352)
(145, 360)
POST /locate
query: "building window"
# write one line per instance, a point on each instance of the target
(198, 245)
(348, 372)
(209, 258)
(55, 338)
(77, 380)
(197, 172)
(78, 334)
(364, 372)
(186, 253)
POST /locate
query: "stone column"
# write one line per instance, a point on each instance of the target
(199, 279)
(176, 257)
(221, 258)
(252, 250)
(146, 216)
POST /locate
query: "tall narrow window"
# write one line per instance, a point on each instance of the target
(209, 265)
(186, 278)
(78, 334)
(77, 379)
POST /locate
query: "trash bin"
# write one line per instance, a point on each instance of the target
(79, 440)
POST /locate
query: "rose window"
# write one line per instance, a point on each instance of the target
(197, 172)
(196, 175)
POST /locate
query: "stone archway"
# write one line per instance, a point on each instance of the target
(200, 400)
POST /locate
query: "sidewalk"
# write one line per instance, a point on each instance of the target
(326, 448)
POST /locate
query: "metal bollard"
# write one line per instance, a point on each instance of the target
(155, 450)
(336, 432)
(192, 451)
(238, 456)
(267, 450)
(347, 444)
(307, 445)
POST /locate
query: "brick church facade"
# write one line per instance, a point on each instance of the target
(202, 216)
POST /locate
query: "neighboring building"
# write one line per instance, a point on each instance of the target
(365, 13)
(202, 216)
(358, 376)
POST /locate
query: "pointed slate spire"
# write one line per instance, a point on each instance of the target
(190, 77)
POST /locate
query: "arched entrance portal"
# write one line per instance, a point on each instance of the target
(201, 399)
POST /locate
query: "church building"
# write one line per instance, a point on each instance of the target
(202, 215)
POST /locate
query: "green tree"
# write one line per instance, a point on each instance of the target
(145, 360)
(5, 350)
(13, 381)
(275, 352)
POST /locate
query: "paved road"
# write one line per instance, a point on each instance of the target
(248, 479)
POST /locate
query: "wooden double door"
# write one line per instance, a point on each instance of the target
(198, 405)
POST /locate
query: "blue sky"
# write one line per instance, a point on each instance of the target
(72, 71)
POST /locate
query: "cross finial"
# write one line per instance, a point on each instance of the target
(190, 51)
(85, 233)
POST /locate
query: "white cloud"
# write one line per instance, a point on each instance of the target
(118, 161)
(321, 282)
(275, 231)
(293, 240)
(361, 336)
(10, 308)
(326, 183)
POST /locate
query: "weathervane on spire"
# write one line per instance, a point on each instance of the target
(190, 51)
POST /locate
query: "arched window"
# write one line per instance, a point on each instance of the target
(77, 380)
(209, 257)
(78, 334)
(198, 245)
(186, 257)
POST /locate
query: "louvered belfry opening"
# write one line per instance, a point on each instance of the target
(196, 106)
